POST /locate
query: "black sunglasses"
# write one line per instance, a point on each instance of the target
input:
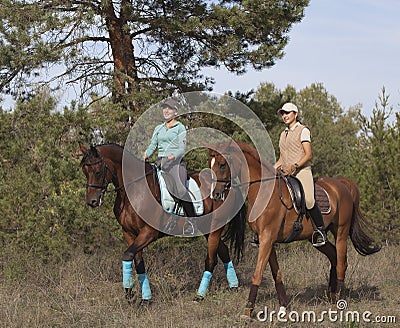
(284, 112)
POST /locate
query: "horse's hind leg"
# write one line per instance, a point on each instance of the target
(341, 249)
(330, 251)
(277, 275)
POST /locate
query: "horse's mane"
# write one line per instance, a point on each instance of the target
(253, 153)
(92, 151)
(111, 144)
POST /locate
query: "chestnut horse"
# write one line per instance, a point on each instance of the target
(273, 216)
(102, 165)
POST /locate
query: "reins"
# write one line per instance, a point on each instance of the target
(238, 185)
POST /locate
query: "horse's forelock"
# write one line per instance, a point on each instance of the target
(90, 153)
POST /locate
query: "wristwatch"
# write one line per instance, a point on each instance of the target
(296, 165)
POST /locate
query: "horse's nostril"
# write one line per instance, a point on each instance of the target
(93, 203)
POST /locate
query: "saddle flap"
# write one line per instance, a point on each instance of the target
(296, 193)
(167, 201)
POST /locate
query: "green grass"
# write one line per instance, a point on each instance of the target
(86, 291)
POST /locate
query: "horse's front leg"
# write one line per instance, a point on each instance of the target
(127, 276)
(277, 275)
(231, 277)
(216, 246)
(134, 253)
(264, 252)
(210, 262)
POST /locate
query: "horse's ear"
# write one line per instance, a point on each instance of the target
(82, 148)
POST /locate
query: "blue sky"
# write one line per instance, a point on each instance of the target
(351, 46)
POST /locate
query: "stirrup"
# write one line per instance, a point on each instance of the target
(318, 238)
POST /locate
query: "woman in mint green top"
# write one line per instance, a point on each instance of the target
(170, 139)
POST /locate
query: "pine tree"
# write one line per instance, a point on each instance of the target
(128, 47)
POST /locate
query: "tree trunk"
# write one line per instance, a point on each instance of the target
(125, 71)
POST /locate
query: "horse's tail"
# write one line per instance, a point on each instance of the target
(235, 231)
(363, 243)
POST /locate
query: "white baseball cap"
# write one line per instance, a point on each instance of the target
(288, 107)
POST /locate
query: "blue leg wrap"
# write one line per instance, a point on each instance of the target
(127, 281)
(144, 286)
(205, 281)
(231, 275)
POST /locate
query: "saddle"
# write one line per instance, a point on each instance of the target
(169, 203)
(297, 195)
(296, 192)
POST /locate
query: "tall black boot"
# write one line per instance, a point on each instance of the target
(188, 208)
(319, 235)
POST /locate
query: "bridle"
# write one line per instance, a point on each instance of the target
(229, 184)
(103, 171)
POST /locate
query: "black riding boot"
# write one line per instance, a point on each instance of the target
(319, 235)
(189, 228)
(188, 208)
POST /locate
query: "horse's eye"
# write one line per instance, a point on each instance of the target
(97, 173)
(222, 165)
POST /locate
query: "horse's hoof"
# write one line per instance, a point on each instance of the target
(332, 297)
(246, 315)
(198, 299)
(145, 303)
(129, 296)
(234, 289)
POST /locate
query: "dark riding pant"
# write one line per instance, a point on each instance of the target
(177, 169)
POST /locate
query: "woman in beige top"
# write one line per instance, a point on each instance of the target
(295, 159)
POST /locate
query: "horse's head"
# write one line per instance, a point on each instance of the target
(98, 176)
(225, 163)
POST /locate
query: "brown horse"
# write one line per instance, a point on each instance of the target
(102, 165)
(271, 214)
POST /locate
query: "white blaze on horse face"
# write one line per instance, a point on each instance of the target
(213, 184)
(212, 162)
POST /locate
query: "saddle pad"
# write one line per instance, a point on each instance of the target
(322, 199)
(168, 203)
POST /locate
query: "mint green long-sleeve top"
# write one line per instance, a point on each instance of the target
(168, 140)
